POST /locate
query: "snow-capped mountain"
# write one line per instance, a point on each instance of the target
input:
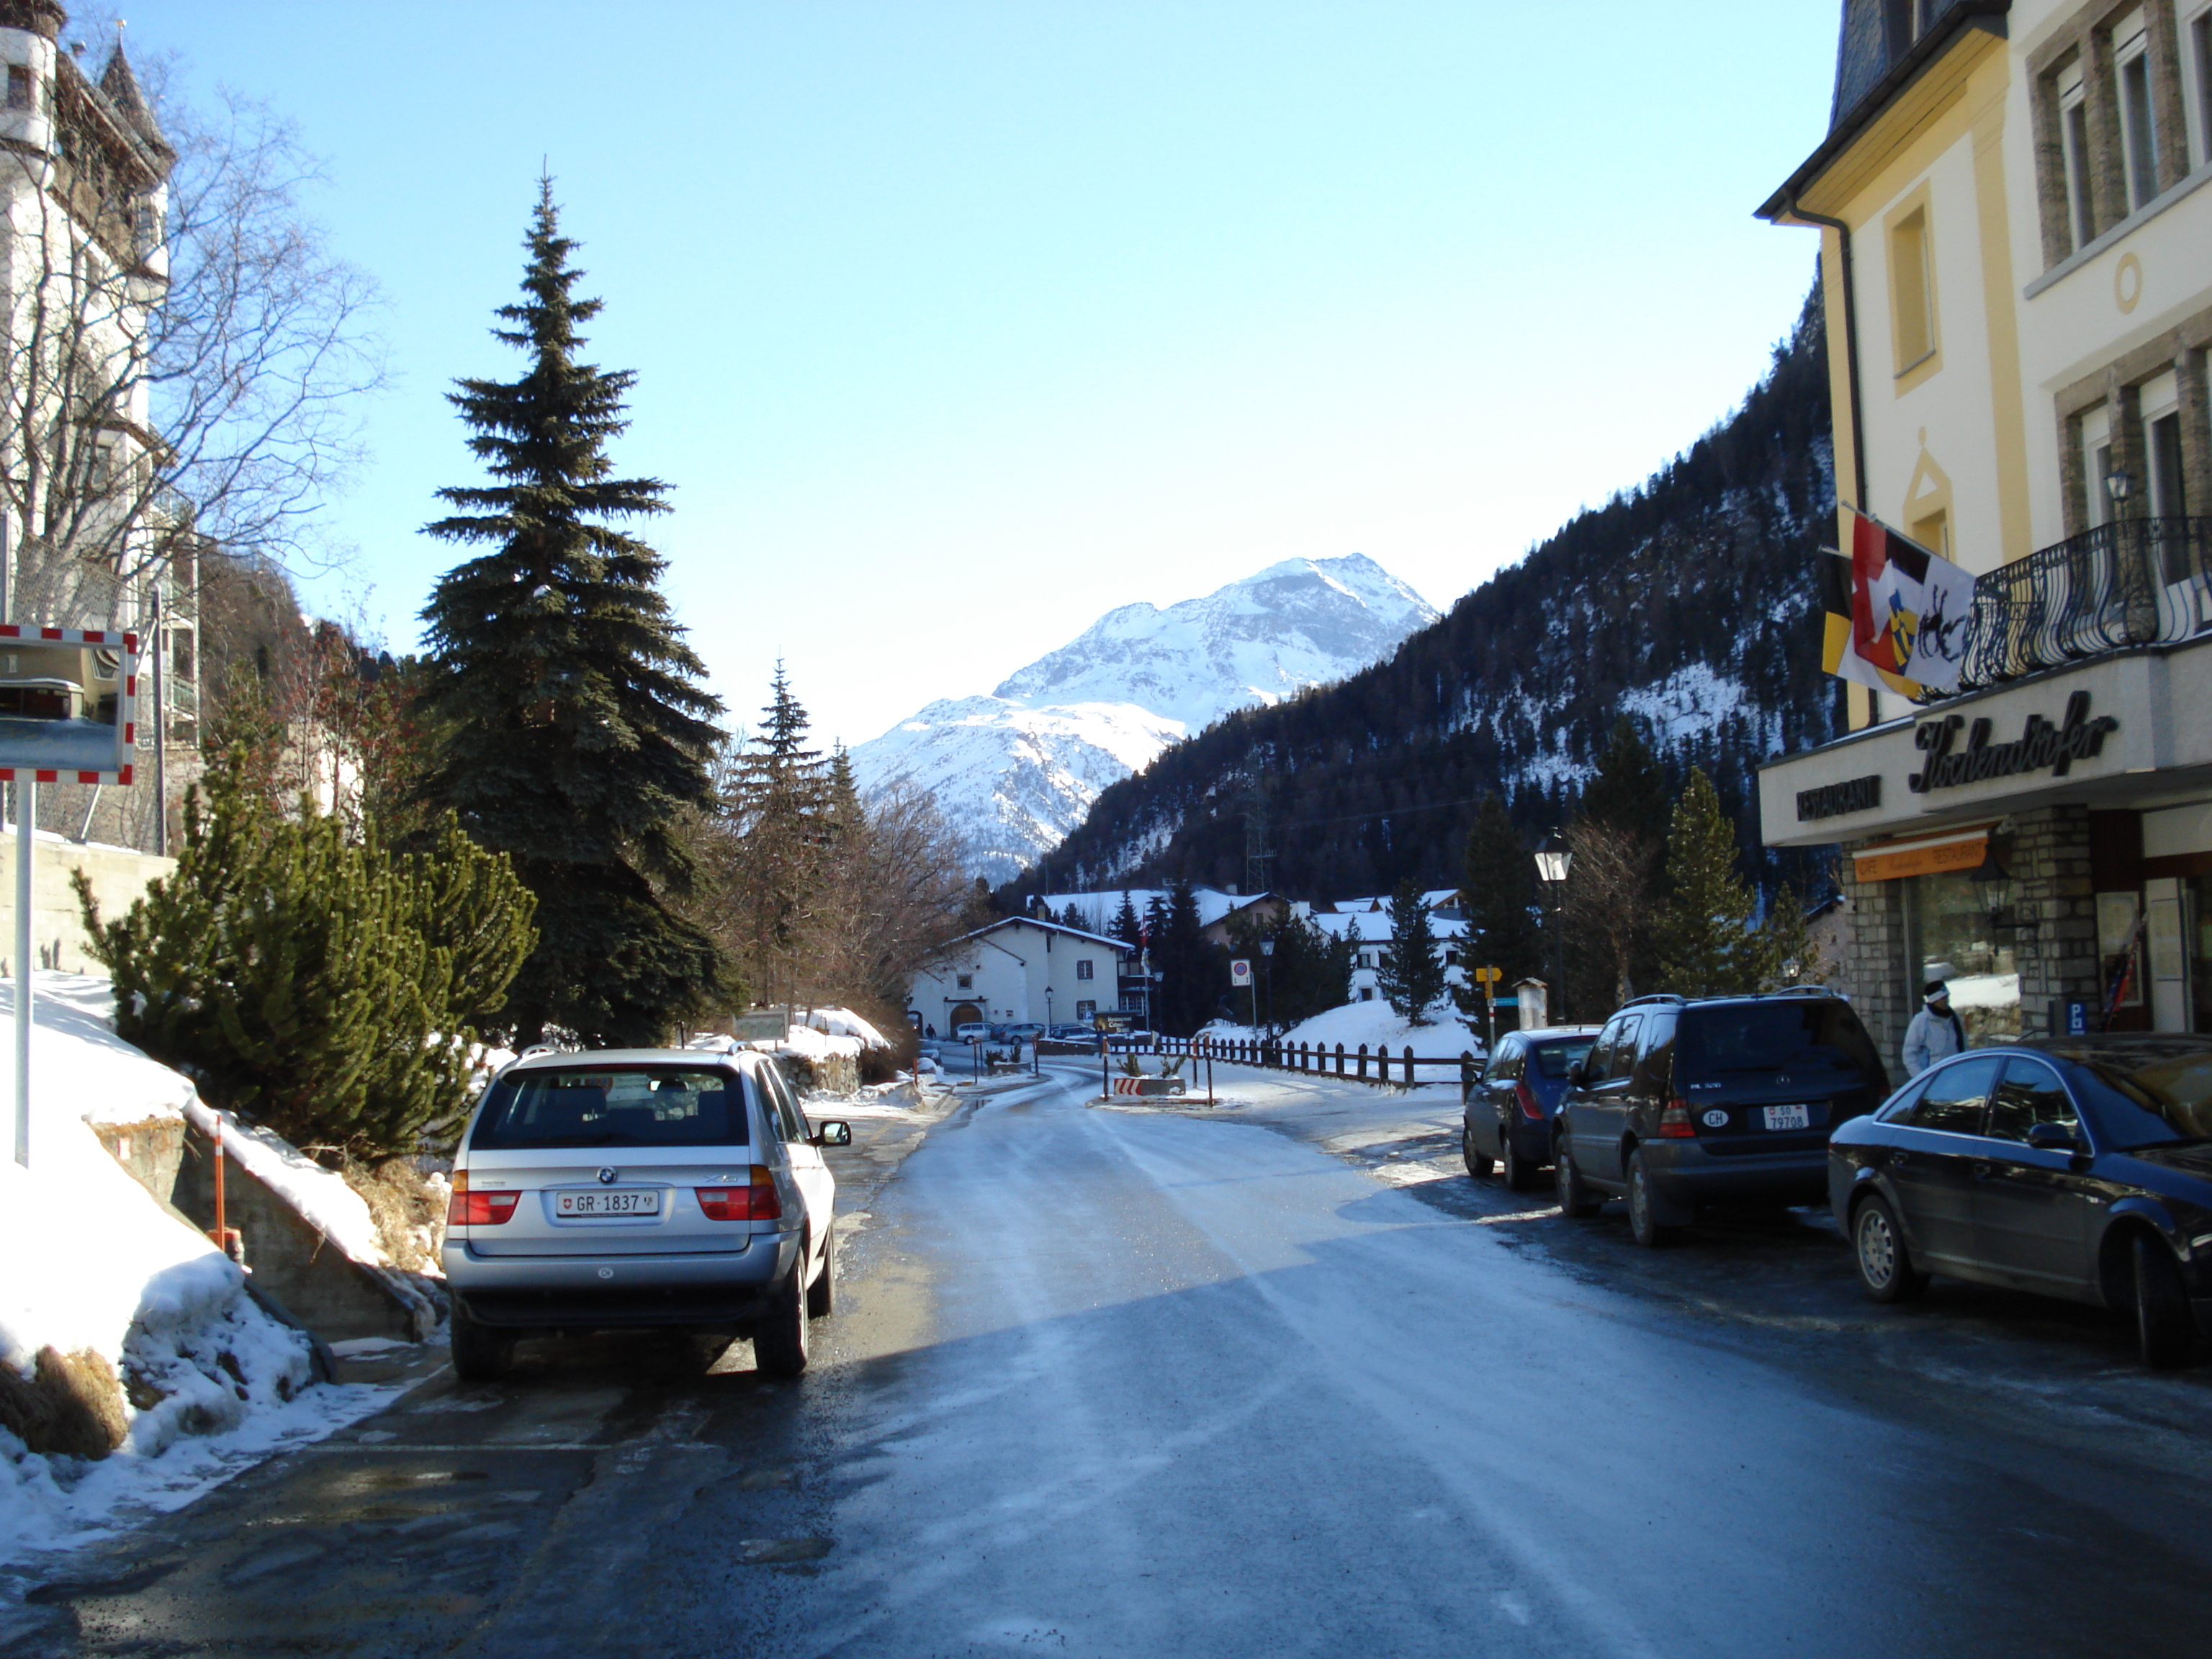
(1017, 769)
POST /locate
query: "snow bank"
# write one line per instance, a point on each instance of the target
(843, 1022)
(321, 1196)
(90, 1262)
(1445, 1037)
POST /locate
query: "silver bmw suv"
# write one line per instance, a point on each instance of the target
(641, 1187)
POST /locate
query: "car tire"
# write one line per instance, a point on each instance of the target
(780, 1342)
(1878, 1250)
(1575, 1198)
(1479, 1164)
(1643, 1222)
(481, 1354)
(821, 1294)
(1520, 1175)
(2165, 1328)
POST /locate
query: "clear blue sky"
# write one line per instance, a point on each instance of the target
(957, 324)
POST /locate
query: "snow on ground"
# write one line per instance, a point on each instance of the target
(90, 1260)
(321, 1196)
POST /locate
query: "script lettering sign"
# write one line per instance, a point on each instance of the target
(2040, 746)
(1832, 800)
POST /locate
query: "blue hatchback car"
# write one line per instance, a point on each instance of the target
(1507, 1117)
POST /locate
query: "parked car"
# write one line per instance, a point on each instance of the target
(641, 1187)
(1071, 1034)
(1022, 1031)
(1507, 1111)
(1721, 1099)
(2073, 1167)
(973, 1031)
(1131, 1042)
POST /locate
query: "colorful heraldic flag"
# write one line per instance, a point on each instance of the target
(1896, 613)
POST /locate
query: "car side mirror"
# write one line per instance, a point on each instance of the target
(834, 1132)
(2052, 1138)
(1578, 1074)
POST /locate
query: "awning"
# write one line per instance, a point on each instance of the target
(1955, 853)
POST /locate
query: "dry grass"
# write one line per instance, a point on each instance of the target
(409, 1211)
(71, 1404)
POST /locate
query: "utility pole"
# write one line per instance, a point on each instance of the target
(1257, 854)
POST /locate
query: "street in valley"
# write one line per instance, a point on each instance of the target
(1273, 1377)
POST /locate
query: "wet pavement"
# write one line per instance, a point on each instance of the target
(1273, 1377)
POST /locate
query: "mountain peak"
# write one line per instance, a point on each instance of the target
(1019, 768)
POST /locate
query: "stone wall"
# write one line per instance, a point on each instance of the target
(2048, 856)
(1872, 974)
(119, 879)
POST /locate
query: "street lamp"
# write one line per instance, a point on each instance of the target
(1267, 963)
(1553, 859)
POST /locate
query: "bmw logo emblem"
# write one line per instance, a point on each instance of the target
(607, 1177)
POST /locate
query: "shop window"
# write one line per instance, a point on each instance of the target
(1950, 936)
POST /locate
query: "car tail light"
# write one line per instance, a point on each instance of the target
(1531, 1107)
(1674, 1122)
(758, 1200)
(468, 1209)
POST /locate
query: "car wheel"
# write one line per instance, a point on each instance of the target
(481, 1354)
(2164, 1327)
(1884, 1265)
(1520, 1175)
(1479, 1164)
(1575, 1198)
(821, 1294)
(780, 1339)
(1642, 1224)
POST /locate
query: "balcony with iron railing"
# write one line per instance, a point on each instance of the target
(2119, 587)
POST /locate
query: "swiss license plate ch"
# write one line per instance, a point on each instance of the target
(607, 1201)
(1788, 1117)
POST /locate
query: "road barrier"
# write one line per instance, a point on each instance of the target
(1319, 1059)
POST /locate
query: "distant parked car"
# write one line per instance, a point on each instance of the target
(1023, 1031)
(973, 1031)
(1507, 1117)
(2073, 1167)
(641, 1187)
(1131, 1042)
(1721, 1099)
(1071, 1034)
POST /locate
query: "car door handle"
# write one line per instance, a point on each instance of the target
(1983, 1172)
(1898, 1159)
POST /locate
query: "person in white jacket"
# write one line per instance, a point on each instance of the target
(1936, 1032)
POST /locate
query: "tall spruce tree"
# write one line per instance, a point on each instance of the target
(1706, 945)
(572, 733)
(785, 801)
(1497, 891)
(1413, 972)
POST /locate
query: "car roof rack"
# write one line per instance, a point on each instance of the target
(1803, 991)
(1656, 996)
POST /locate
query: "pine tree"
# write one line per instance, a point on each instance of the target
(309, 979)
(1497, 891)
(783, 801)
(1788, 953)
(1412, 974)
(1705, 944)
(572, 733)
(1128, 927)
(1630, 790)
(1191, 986)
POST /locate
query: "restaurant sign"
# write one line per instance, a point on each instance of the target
(2040, 746)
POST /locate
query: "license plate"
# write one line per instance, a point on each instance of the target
(1788, 1117)
(620, 1200)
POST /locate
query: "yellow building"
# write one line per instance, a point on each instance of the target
(2016, 252)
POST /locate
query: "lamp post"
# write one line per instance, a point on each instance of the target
(1037, 1050)
(2119, 484)
(1553, 860)
(1268, 965)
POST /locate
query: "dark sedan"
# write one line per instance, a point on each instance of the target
(1508, 1109)
(2076, 1167)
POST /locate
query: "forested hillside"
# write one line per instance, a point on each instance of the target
(1688, 605)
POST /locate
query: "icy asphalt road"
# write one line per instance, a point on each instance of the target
(1129, 1384)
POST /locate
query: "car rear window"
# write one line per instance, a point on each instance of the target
(616, 1106)
(1800, 1034)
(1556, 1059)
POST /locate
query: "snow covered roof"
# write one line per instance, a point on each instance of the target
(1213, 903)
(1050, 927)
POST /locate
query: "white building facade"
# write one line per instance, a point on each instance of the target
(1022, 971)
(2015, 203)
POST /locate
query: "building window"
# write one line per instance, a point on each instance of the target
(22, 90)
(966, 981)
(1086, 1012)
(2165, 496)
(1085, 968)
(2197, 50)
(2138, 126)
(2074, 158)
(1911, 288)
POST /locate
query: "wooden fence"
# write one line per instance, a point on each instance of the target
(1378, 1065)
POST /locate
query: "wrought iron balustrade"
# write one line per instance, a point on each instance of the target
(2144, 581)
